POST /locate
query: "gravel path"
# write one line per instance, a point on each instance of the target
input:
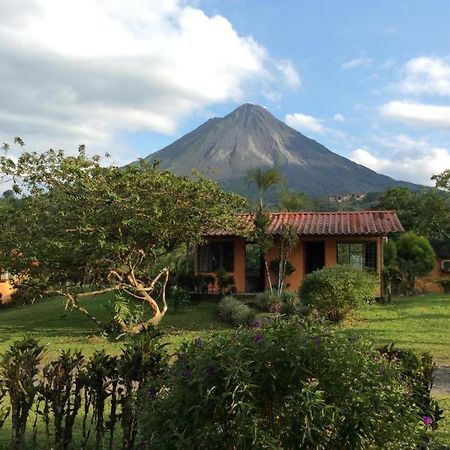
(441, 380)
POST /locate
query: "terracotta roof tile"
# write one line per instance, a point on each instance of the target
(328, 223)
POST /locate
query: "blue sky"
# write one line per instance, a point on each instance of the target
(370, 80)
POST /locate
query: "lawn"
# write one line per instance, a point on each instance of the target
(47, 322)
(420, 323)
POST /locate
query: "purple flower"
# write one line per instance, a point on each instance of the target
(198, 342)
(427, 420)
(186, 373)
(317, 342)
(211, 370)
(151, 394)
(259, 338)
(257, 324)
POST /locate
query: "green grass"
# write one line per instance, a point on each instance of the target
(47, 322)
(420, 323)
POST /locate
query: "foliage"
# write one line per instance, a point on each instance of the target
(264, 180)
(80, 223)
(267, 301)
(225, 281)
(263, 240)
(389, 253)
(442, 180)
(60, 391)
(286, 303)
(417, 371)
(333, 291)
(18, 374)
(292, 201)
(233, 311)
(415, 256)
(179, 297)
(426, 212)
(445, 284)
(100, 393)
(275, 387)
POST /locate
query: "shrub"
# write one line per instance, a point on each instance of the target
(267, 301)
(288, 385)
(231, 310)
(417, 372)
(271, 302)
(416, 257)
(445, 284)
(225, 281)
(333, 291)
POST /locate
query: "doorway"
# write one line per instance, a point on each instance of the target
(254, 269)
(314, 252)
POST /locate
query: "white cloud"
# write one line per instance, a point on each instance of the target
(426, 75)
(339, 117)
(303, 122)
(433, 116)
(367, 159)
(362, 61)
(409, 160)
(290, 74)
(86, 71)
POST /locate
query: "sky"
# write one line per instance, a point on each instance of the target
(369, 80)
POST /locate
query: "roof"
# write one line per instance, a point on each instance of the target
(340, 223)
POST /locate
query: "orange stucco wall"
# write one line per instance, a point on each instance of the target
(5, 292)
(295, 258)
(239, 262)
(428, 284)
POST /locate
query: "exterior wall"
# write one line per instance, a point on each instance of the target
(5, 292)
(427, 283)
(239, 262)
(296, 258)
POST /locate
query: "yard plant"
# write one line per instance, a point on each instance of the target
(276, 387)
(81, 225)
(333, 292)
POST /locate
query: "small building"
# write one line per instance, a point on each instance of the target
(324, 240)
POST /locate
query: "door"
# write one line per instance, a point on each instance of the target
(254, 269)
(314, 252)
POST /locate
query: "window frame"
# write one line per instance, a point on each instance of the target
(216, 249)
(368, 248)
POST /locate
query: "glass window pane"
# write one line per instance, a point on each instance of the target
(356, 256)
(371, 255)
(204, 258)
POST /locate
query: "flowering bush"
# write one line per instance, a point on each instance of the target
(290, 385)
(333, 291)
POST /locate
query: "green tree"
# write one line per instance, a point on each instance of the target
(292, 201)
(80, 223)
(415, 256)
(426, 212)
(264, 180)
(442, 180)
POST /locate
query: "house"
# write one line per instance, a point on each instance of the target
(440, 271)
(324, 240)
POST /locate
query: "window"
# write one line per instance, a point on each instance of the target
(215, 255)
(362, 255)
